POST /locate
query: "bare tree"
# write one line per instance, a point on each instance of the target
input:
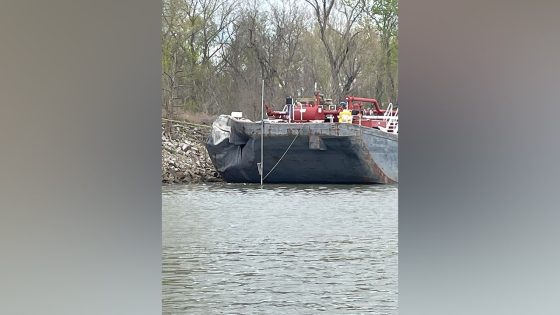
(173, 52)
(384, 14)
(336, 23)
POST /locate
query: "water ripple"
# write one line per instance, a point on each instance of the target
(280, 249)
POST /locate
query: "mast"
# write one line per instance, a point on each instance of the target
(261, 169)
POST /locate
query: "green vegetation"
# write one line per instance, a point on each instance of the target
(216, 52)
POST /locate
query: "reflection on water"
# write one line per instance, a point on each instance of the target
(280, 249)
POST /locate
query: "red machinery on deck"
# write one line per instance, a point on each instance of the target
(305, 111)
(321, 110)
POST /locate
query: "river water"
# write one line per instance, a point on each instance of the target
(280, 249)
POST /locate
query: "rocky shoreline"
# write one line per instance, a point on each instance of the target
(184, 158)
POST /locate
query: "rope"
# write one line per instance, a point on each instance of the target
(282, 156)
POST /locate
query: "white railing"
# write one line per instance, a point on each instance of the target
(389, 110)
(391, 120)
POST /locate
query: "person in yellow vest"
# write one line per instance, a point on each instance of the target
(345, 116)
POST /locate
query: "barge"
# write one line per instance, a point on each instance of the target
(309, 142)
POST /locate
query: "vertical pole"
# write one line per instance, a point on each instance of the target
(262, 131)
(290, 109)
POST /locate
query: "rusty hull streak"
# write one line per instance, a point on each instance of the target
(381, 176)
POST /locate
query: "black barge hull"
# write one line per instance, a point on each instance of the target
(303, 152)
